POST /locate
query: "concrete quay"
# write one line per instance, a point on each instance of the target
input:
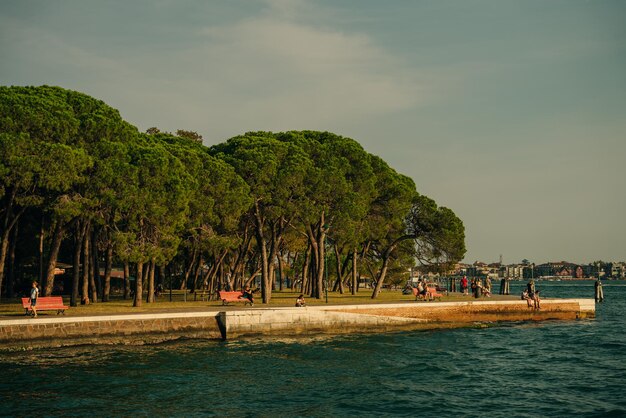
(53, 331)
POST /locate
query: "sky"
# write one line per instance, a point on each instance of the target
(510, 113)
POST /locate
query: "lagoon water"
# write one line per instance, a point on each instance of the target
(552, 368)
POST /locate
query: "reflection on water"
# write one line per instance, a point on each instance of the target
(551, 368)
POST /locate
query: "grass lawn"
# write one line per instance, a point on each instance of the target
(117, 305)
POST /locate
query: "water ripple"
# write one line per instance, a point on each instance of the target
(572, 368)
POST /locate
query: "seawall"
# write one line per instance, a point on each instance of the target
(50, 331)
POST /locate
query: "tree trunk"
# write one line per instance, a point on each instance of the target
(305, 271)
(340, 270)
(355, 277)
(11, 267)
(150, 297)
(108, 266)
(272, 273)
(138, 286)
(266, 293)
(59, 231)
(238, 267)
(291, 259)
(4, 249)
(7, 226)
(194, 256)
(42, 233)
(316, 278)
(92, 280)
(86, 269)
(197, 271)
(381, 277)
(321, 255)
(276, 241)
(280, 272)
(158, 278)
(95, 264)
(385, 266)
(146, 275)
(208, 279)
(126, 280)
(78, 245)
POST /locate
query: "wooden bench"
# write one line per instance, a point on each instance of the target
(434, 293)
(420, 297)
(228, 297)
(47, 303)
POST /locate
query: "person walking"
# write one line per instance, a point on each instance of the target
(34, 294)
(247, 294)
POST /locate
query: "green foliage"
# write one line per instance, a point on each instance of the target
(160, 196)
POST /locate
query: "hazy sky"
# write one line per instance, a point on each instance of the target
(511, 113)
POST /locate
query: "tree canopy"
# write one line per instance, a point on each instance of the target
(300, 205)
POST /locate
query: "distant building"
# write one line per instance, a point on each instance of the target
(556, 269)
(513, 271)
(616, 270)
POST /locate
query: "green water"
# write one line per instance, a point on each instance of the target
(553, 368)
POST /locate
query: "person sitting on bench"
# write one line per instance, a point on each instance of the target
(527, 298)
(537, 300)
(422, 290)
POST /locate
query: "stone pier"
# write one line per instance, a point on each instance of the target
(50, 331)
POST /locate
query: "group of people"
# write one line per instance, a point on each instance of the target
(531, 295)
(477, 287)
(422, 290)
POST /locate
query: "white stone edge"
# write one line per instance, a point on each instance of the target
(586, 305)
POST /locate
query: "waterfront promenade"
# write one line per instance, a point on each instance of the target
(232, 322)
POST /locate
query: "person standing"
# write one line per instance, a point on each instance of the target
(464, 285)
(34, 294)
(474, 287)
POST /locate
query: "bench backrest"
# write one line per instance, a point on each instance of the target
(44, 301)
(224, 294)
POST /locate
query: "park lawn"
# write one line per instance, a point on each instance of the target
(284, 298)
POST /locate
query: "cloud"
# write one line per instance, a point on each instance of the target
(276, 69)
(279, 71)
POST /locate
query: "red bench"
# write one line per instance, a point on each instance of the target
(47, 303)
(227, 297)
(433, 293)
